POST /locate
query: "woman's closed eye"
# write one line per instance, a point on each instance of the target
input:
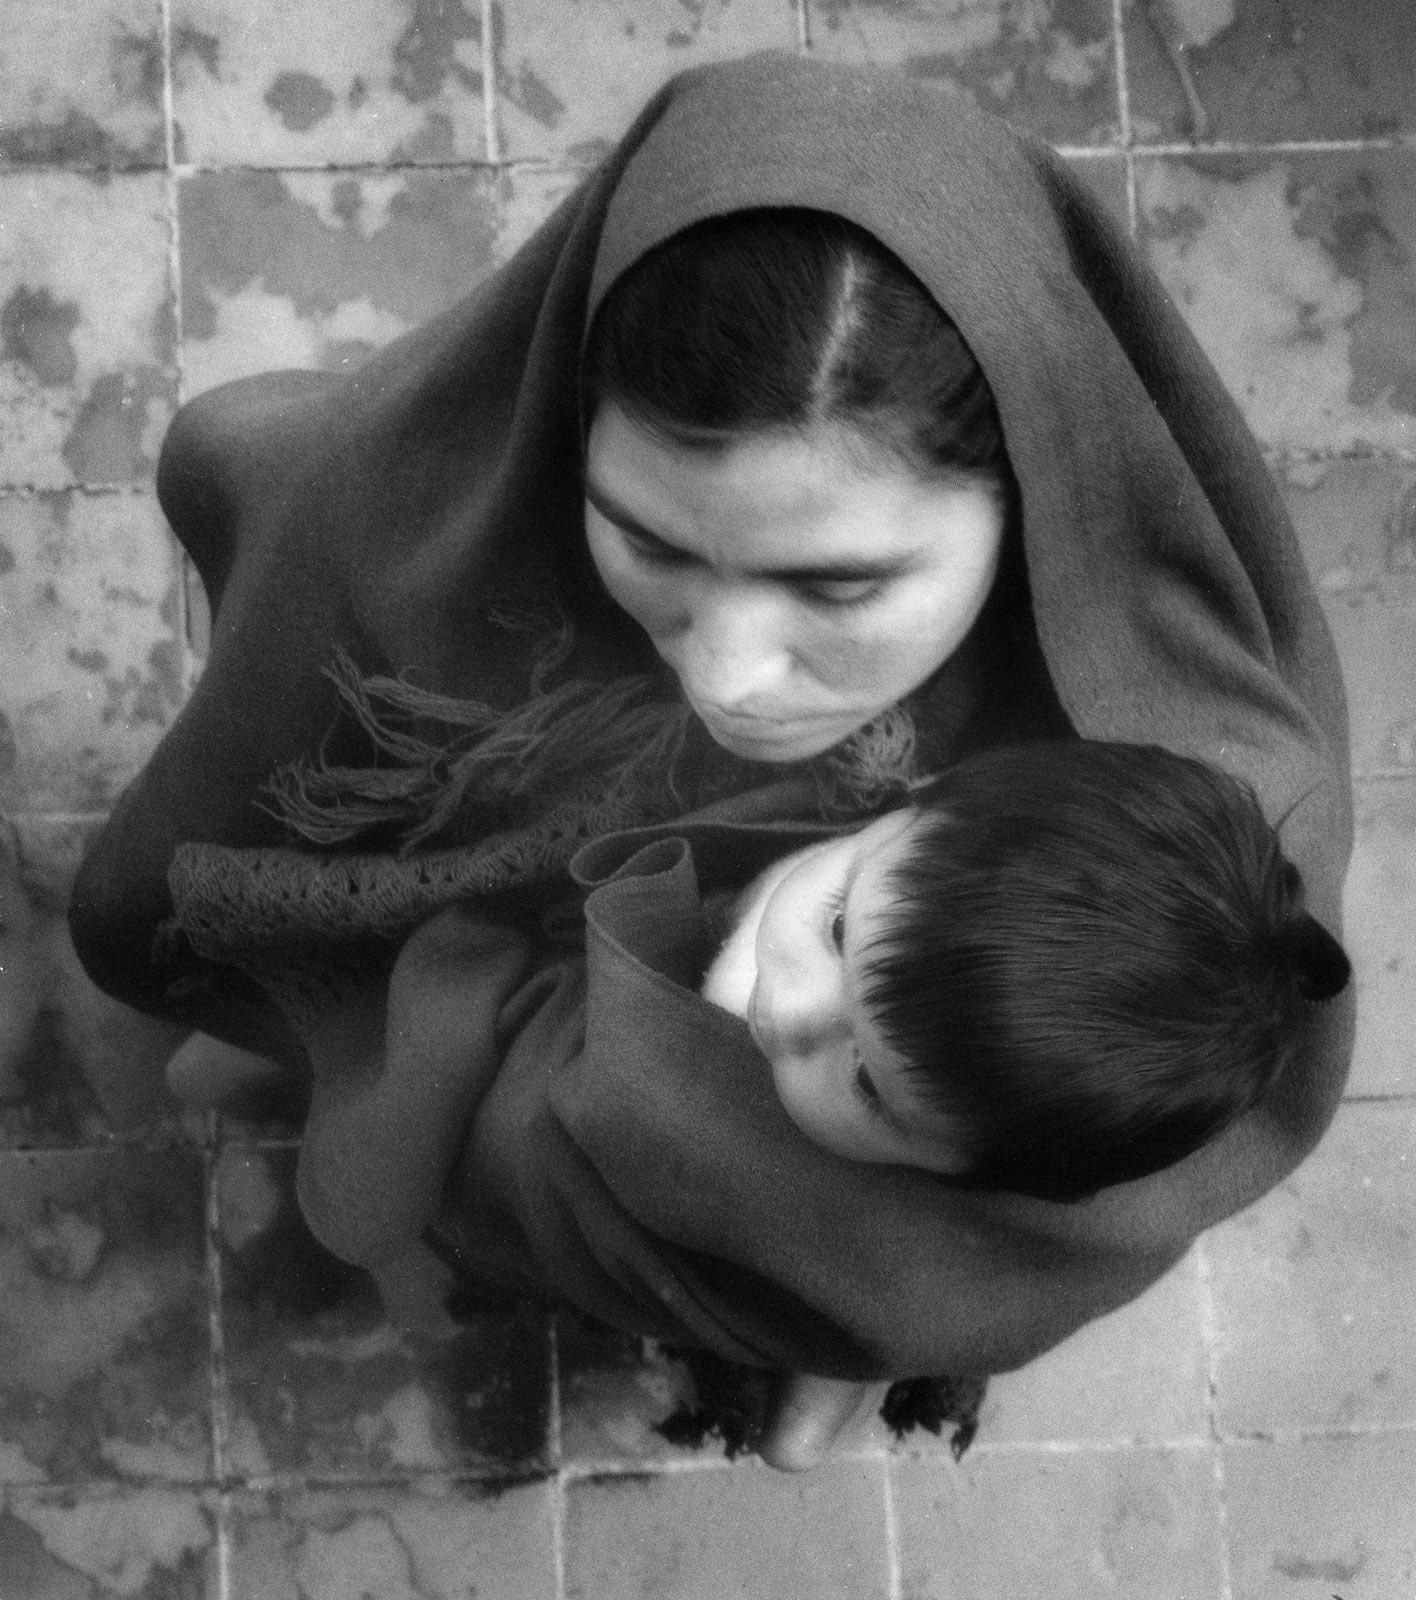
(836, 922)
(840, 594)
(645, 546)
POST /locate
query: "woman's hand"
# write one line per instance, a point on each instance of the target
(806, 1417)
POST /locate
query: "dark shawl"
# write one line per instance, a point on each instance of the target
(393, 511)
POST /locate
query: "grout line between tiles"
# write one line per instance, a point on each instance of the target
(1210, 1342)
(1123, 111)
(982, 1448)
(217, 1375)
(224, 1590)
(1273, 147)
(555, 1491)
(894, 1579)
(491, 126)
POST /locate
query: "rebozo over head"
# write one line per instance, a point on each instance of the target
(795, 474)
(1098, 960)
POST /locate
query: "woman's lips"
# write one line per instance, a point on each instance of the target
(757, 727)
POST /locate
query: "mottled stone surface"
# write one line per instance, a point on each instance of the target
(428, 1541)
(104, 1364)
(1328, 1258)
(76, 1067)
(1295, 273)
(90, 646)
(550, 106)
(1263, 70)
(312, 85)
(321, 1385)
(1034, 1525)
(316, 270)
(1049, 66)
(1357, 524)
(81, 85)
(87, 374)
(140, 1543)
(1322, 1517)
(681, 1535)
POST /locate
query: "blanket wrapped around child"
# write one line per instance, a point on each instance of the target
(627, 1153)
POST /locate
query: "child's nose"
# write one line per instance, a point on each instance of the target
(803, 1013)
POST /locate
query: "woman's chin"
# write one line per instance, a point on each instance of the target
(772, 744)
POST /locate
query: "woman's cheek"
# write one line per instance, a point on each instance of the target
(870, 656)
(640, 594)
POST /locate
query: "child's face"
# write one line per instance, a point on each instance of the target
(838, 1079)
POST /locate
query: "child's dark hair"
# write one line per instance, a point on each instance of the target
(1099, 959)
(784, 318)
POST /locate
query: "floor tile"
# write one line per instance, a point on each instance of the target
(87, 92)
(414, 1542)
(320, 1384)
(86, 342)
(89, 651)
(1265, 70)
(743, 1530)
(1380, 913)
(104, 1543)
(526, 196)
(1298, 275)
(1047, 67)
(1312, 1519)
(1139, 1375)
(1314, 1314)
(316, 269)
(103, 1317)
(269, 84)
(550, 106)
(1357, 524)
(1037, 1525)
(75, 1066)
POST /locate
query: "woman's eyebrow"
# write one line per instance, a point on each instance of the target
(842, 571)
(612, 511)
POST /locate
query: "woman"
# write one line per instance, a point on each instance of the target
(1093, 547)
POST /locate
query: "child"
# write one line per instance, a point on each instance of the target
(1068, 965)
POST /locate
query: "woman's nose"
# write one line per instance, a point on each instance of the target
(731, 653)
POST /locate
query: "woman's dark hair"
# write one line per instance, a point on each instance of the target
(1098, 959)
(783, 319)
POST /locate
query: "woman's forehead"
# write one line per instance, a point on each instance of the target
(784, 496)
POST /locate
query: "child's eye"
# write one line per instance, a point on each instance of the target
(836, 923)
(865, 1088)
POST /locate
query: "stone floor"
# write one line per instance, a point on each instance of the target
(193, 1401)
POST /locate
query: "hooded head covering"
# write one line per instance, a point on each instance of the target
(399, 512)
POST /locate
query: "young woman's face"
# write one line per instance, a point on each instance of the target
(797, 586)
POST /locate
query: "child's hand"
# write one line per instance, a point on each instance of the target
(807, 1416)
